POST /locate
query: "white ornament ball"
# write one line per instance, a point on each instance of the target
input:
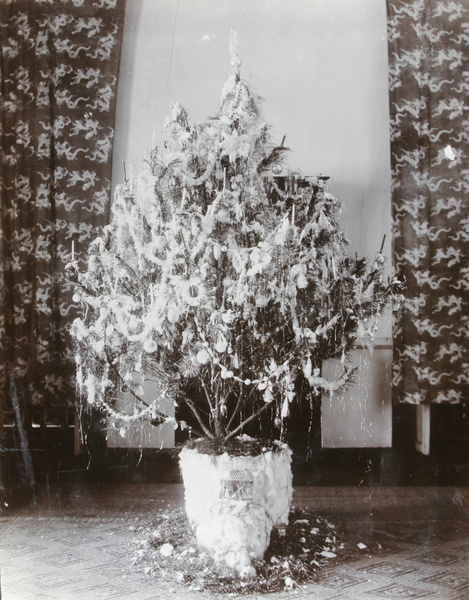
(301, 282)
(220, 346)
(166, 549)
(173, 315)
(202, 357)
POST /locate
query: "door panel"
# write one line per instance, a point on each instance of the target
(361, 416)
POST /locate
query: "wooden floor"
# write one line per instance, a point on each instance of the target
(77, 542)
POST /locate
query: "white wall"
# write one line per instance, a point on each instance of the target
(320, 64)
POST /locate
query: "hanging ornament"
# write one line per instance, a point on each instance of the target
(203, 357)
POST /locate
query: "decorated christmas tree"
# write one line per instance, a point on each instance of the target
(221, 281)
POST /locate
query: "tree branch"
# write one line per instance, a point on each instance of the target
(191, 405)
(237, 407)
(207, 395)
(246, 421)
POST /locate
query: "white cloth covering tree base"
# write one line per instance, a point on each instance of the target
(233, 502)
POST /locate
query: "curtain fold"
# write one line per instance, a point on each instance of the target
(428, 42)
(59, 65)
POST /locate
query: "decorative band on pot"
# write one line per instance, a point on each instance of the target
(237, 484)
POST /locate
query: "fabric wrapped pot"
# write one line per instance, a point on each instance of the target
(233, 502)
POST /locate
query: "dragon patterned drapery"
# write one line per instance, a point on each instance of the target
(58, 77)
(428, 43)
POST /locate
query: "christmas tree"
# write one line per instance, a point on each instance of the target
(221, 281)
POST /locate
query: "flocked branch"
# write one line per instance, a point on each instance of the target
(225, 281)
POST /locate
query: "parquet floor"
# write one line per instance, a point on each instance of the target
(76, 543)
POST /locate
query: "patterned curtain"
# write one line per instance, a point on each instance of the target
(429, 90)
(58, 78)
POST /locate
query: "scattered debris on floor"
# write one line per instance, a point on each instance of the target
(166, 550)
